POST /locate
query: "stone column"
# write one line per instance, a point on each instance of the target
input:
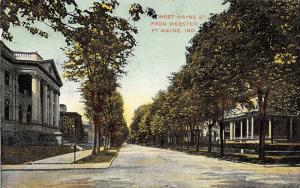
(17, 105)
(56, 109)
(45, 103)
(231, 130)
(1, 90)
(40, 121)
(51, 107)
(14, 96)
(270, 128)
(234, 130)
(35, 99)
(241, 130)
(252, 127)
(247, 126)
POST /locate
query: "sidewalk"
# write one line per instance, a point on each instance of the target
(61, 162)
(64, 159)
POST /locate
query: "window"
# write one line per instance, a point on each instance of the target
(6, 78)
(6, 109)
(20, 114)
(28, 114)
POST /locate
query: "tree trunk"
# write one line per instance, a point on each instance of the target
(262, 102)
(192, 141)
(181, 137)
(109, 141)
(221, 124)
(209, 137)
(98, 140)
(94, 152)
(198, 140)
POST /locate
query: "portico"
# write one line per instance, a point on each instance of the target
(245, 127)
(29, 96)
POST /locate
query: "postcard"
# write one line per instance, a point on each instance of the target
(150, 93)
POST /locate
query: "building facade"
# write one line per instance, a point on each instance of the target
(88, 132)
(29, 98)
(245, 127)
(71, 127)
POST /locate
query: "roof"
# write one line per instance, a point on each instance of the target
(32, 59)
(70, 113)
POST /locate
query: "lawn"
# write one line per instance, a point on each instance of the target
(24, 154)
(251, 158)
(102, 157)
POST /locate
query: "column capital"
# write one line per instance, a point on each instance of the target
(57, 93)
(35, 75)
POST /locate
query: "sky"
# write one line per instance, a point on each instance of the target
(156, 56)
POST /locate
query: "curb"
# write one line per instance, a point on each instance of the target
(54, 169)
(112, 160)
(57, 169)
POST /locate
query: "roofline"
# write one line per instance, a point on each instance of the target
(11, 58)
(75, 113)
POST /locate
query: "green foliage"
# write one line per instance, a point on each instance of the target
(249, 50)
(60, 15)
(100, 44)
(139, 128)
(26, 13)
(113, 121)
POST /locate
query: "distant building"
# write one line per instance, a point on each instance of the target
(88, 132)
(71, 126)
(63, 108)
(29, 98)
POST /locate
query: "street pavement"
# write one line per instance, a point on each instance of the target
(137, 166)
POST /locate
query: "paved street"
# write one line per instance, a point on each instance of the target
(138, 166)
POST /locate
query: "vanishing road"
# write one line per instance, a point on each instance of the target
(138, 166)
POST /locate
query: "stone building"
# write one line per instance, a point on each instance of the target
(29, 98)
(71, 126)
(63, 108)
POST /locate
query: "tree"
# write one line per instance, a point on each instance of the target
(99, 47)
(26, 13)
(263, 34)
(215, 76)
(59, 15)
(140, 129)
(113, 119)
